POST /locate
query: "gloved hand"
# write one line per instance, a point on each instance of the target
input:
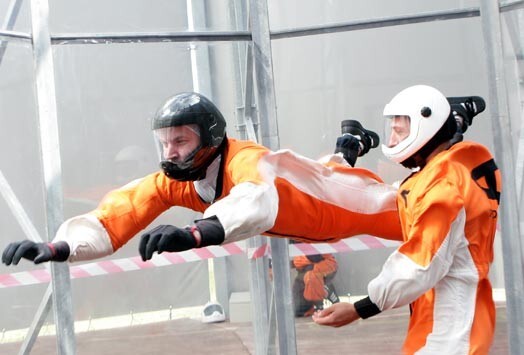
(208, 231)
(165, 238)
(349, 146)
(36, 252)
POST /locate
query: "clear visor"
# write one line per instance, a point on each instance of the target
(212, 308)
(396, 130)
(178, 144)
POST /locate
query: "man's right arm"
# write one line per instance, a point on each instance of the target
(121, 215)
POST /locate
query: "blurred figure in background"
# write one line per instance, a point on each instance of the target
(130, 163)
(313, 283)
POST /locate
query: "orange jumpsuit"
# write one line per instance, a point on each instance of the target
(311, 279)
(448, 213)
(276, 193)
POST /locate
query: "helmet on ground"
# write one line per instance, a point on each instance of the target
(190, 108)
(213, 312)
(417, 120)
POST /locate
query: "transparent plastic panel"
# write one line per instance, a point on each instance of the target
(20, 165)
(352, 75)
(513, 45)
(15, 15)
(87, 16)
(298, 13)
(107, 95)
(324, 79)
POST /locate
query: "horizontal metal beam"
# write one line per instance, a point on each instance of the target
(15, 36)
(227, 36)
(510, 6)
(190, 36)
(377, 23)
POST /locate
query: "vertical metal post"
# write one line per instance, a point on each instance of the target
(200, 68)
(201, 73)
(511, 234)
(51, 164)
(258, 286)
(269, 132)
(259, 267)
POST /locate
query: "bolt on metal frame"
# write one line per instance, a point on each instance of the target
(260, 45)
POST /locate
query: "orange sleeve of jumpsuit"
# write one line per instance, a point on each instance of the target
(126, 211)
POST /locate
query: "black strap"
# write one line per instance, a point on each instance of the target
(220, 176)
(487, 170)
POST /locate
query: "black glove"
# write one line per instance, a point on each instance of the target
(165, 238)
(173, 239)
(349, 146)
(36, 252)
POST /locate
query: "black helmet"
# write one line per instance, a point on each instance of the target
(193, 108)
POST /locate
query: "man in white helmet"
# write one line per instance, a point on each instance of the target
(448, 211)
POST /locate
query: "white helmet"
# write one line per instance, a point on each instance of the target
(427, 109)
(213, 312)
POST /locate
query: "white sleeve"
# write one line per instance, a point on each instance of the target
(86, 236)
(402, 281)
(248, 210)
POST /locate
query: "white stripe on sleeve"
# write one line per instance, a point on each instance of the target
(86, 236)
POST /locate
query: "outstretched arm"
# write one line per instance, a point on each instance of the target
(337, 315)
(250, 209)
(36, 252)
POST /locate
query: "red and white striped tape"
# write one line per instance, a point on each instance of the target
(135, 263)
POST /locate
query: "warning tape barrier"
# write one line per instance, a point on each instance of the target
(135, 263)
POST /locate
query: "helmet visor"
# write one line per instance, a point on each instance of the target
(178, 144)
(212, 308)
(397, 129)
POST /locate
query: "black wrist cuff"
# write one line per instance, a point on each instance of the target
(185, 240)
(365, 308)
(61, 251)
(211, 231)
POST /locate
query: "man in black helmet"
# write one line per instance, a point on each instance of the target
(242, 189)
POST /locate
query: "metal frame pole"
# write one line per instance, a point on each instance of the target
(511, 234)
(269, 132)
(9, 24)
(52, 170)
(258, 267)
(201, 73)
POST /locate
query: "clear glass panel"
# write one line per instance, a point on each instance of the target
(98, 16)
(298, 13)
